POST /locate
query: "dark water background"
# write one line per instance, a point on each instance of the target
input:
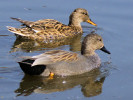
(113, 81)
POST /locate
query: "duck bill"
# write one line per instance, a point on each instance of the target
(91, 22)
(105, 50)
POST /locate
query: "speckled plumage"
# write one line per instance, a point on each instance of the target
(66, 63)
(50, 29)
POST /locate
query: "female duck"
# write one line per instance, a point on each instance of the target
(50, 29)
(66, 63)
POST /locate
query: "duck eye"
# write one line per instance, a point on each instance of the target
(100, 39)
(84, 13)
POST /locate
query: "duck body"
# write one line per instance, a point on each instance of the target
(66, 63)
(80, 66)
(63, 63)
(50, 29)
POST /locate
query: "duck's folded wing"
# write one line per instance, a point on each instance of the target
(55, 56)
(46, 24)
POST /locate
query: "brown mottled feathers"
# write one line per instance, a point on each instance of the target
(41, 24)
(58, 55)
(47, 24)
(45, 30)
(54, 56)
(44, 24)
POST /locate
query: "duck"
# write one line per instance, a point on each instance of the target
(50, 29)
(66, 63)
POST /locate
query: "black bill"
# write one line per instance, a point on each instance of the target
(105, 50)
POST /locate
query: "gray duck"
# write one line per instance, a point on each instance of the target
(66, 63)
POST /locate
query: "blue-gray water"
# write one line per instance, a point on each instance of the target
(113, 82)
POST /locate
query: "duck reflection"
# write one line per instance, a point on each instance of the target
(26, 45)
(91, 84)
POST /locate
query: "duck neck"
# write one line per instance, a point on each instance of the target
(75, 26)
(87, 51)
(74, 22)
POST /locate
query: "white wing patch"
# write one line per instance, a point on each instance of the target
(36, 30)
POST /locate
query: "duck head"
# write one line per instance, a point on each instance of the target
(91, 43)
(80, 15)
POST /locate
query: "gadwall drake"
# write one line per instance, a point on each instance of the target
(66, 63)
(50, 29)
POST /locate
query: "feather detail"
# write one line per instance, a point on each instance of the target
(54, 56)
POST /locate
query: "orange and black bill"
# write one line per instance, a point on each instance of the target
(91, 22)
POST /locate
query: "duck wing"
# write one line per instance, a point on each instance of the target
(24, 22)
(41, 24)
(54, 56)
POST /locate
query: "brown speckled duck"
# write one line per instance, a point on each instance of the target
(66, 63)
(50, 29)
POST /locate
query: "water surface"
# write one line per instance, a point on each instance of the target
(112, 82)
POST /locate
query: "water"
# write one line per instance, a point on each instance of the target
(113, 81)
